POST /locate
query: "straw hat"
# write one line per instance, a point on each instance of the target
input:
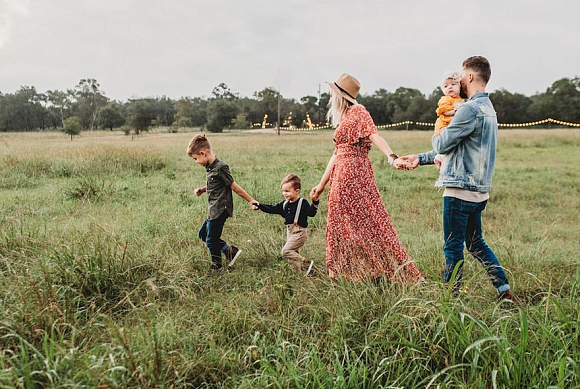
(347, 86)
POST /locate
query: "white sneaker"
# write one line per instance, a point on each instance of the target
(309, 270)
(233, 254)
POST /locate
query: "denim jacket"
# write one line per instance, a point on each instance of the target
(469, 144)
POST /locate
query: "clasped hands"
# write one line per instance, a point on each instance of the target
(407, 162)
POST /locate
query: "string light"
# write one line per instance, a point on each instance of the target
(410, 122)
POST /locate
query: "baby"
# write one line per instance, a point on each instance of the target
(447, 106)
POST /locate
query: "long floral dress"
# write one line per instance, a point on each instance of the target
(361, 241)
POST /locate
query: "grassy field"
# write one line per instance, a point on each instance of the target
(104, 283)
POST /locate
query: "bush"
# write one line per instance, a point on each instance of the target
(87, 188)
(72, 126)
(126, 129)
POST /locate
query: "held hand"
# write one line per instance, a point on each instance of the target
(253, 204)
(412, 160)
(402, 164)
(198, 191)
(316, 192)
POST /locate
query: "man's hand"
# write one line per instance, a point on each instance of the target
(199, 191)
(411, 159)
(401, 164)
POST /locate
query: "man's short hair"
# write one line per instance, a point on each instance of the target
(480, 65)
(294, 179)
(198, 143)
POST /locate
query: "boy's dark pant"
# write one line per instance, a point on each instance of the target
(462, 224)
(211, 233)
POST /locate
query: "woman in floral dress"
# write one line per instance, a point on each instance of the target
(361, 241)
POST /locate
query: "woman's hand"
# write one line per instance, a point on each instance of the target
(316, 192)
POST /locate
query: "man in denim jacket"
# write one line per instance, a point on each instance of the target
(469, 143)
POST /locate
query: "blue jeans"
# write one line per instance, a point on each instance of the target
(211, 233)
(462, 224)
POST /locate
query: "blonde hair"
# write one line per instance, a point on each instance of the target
(294, 179)
(337, 107)
(455, 76)
(198, 143)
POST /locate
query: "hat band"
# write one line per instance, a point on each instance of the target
(342, 90)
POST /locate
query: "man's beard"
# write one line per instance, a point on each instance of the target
(462, 91)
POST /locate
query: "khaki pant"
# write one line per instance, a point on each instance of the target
(295, 238)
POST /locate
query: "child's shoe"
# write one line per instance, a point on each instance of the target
(310, 270)
(232, 254)
(509, 296)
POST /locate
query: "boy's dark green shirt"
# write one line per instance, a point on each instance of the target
(219, 191)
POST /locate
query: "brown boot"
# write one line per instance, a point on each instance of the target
(509, 296)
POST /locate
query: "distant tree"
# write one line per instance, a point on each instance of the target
(222, 108)
(110, 116)
(220, 114)
(72, 126)
(560, 101)
(222, 91)
(240, 121)
(428, 114)
(310, 104)
(184, 112)
(378, 106)
(405, 103)
(199, 117)
(323, 107)
(251, 107)
(23, 110)
(183, 122)
(166, 111)
(141, 113)
(89, 98)
(268, 102)
(60, 104)
(510, 107)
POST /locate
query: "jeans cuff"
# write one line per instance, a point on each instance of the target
(504, 288)
(225, 248)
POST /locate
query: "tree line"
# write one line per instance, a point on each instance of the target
(87, 107)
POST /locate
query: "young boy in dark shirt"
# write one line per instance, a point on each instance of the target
(295, 211)
(219, 186)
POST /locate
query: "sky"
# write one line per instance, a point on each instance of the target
(148, 48)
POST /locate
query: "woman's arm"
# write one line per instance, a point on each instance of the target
(382, 145)
(318, 189)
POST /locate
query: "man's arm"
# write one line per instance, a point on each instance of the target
(427, 158)
(462, 124)
(411, 161)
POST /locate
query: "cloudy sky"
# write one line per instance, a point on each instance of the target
(140, 48)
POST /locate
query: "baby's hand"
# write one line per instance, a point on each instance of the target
(438, 164)
(198, 191)
(254, 205)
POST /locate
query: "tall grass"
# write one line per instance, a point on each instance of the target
(105, 284)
